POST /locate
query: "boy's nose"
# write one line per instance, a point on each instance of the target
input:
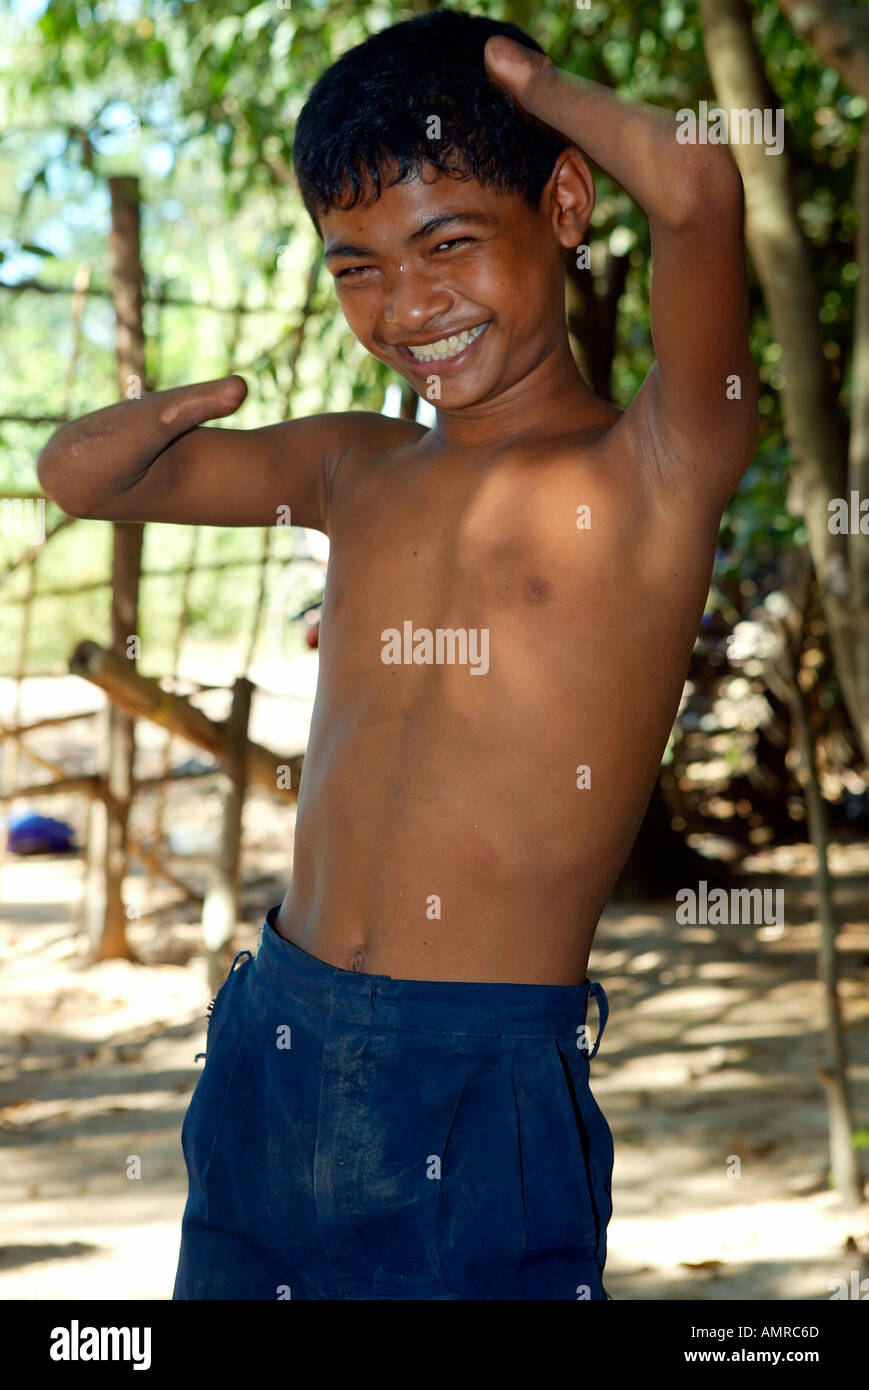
(412, 301)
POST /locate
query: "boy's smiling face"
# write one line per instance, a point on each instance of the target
(437, 258)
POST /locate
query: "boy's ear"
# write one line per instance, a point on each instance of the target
(569, 193)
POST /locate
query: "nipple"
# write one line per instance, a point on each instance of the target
(536, 590)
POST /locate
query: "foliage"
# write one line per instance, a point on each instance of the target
(199, 99)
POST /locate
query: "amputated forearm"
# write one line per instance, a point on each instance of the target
(91, 459)
(634, 142)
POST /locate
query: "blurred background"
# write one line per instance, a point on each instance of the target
(152, 678)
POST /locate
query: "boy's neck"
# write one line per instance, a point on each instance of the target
(550, 400)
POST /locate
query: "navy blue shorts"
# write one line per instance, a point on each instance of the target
(357, 1136)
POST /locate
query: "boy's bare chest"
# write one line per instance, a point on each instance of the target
(532, 546)
(555, 586)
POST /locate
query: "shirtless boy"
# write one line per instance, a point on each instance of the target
(395, 1102)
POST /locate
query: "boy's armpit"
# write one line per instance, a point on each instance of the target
(705, 469)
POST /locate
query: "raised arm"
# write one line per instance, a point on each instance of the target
(698, 404)
(152, 460)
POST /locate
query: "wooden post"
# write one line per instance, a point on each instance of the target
(174, 670)
(145, 698)
(220, 910)
(107, 829)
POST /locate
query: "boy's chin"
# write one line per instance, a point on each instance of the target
(446, 388)
(464, 388)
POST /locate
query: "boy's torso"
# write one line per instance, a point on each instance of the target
(447, 826)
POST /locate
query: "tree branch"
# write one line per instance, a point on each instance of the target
(838, 33)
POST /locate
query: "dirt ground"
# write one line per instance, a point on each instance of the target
(709, 1055)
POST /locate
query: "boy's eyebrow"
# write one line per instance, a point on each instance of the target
(434, 224)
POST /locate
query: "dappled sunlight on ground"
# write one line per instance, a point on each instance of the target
(707, 1066)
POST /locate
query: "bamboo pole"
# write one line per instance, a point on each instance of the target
(95, 584)
(221, 908)
(13, 745)
(31, 555)
(51, 720)
(93, 786)
(80, 285)
(89, 783)
(145, 698)
(107, 833)
(174, 667)
(155, 297)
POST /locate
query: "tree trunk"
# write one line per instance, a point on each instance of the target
(833, 1075)
(592, 308)
(844, 1162)
(858, 453)
(812, 419)
(839, 34)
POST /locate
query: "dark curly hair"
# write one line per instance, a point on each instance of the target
(370, 112)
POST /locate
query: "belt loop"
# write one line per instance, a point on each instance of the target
(603, 1008)
(237, 957)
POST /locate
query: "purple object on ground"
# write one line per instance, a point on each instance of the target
(33, 834)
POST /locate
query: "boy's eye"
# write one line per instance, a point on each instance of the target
(358, 269)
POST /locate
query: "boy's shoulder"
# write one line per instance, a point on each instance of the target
(365, 433)
(368, 426)
(355, 440)
(343, 428)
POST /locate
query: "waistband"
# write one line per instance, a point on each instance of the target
(475, 1008)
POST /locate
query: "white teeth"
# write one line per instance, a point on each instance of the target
(447, 347)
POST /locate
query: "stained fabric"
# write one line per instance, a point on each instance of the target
(362, 1137)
